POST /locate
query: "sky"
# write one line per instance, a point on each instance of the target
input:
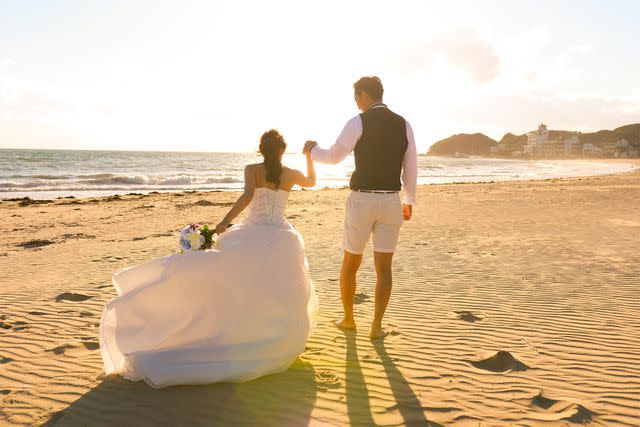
(214, 75)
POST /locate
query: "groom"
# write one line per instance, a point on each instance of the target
(385, 153)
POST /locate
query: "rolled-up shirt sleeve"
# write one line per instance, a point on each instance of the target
(344, 145)
(410, 169)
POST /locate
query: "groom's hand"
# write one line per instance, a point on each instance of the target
(406, 212)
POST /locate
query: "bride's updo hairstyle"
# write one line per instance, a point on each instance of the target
(272, 146)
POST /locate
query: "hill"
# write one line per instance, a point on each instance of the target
(630, 132)
(633, 129)
(600, 138)
(475, 144)
(513, 142)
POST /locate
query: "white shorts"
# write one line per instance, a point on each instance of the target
(367, 213)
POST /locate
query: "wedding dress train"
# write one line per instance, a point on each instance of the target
(235, 313)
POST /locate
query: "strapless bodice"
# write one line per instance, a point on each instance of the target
(267, 206)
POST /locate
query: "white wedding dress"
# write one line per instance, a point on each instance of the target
(235, 313)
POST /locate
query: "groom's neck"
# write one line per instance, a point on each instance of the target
(373, 104)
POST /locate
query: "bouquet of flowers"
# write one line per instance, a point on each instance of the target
(196, 237)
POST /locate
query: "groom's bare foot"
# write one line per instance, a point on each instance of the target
(345, 324)
(377, 332)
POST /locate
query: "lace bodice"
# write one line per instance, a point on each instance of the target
(267, 206)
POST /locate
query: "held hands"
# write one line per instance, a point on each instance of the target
(308, 146)
(406, 212)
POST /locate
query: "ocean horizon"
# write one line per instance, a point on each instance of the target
(51, 173)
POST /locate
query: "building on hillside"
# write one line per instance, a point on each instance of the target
(617, 149)
(571, 145)
(633, 150)
(550, 149)
(539, 145)
(535, 140)
(622, 143)
(623, 149)
(610, 149)
(590, 150)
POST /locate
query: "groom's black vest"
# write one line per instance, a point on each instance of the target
(380, 151)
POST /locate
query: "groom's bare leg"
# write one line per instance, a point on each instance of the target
(350, 265)
(384, 282)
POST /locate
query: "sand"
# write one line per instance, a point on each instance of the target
(514, 304)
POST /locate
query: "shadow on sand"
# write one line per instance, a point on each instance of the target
(357, 399)
(406, 400)
(280, 399)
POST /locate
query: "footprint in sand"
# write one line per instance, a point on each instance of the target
(62, 349)
(16, 326)
(37, 313)
(502, 361)
(542, 401)
(70, 296)
(468, 316)
(91, 345)
(166, 233)
(4, 360)
(562, 410)
(19, 326)
(360, 298)
(327, 380)
(204, 203)
(5, 392)
(312, 350)
(86, 314)
(36, 243)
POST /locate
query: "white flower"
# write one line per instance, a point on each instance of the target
(196, 240)
(191, 239)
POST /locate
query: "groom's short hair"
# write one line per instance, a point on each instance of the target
(371, 85)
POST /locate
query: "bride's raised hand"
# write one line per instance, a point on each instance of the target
(308, 146)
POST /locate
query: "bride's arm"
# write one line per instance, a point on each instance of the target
(308, 180)
(242, 202)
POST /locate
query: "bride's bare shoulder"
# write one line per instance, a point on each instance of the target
(289, 171)
(254, 167)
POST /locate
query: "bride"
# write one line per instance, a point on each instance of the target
(235, 313)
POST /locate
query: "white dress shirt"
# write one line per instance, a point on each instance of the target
(347, 141)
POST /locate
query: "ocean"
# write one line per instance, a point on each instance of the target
(47, 174)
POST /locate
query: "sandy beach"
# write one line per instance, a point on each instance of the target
(514, 303)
